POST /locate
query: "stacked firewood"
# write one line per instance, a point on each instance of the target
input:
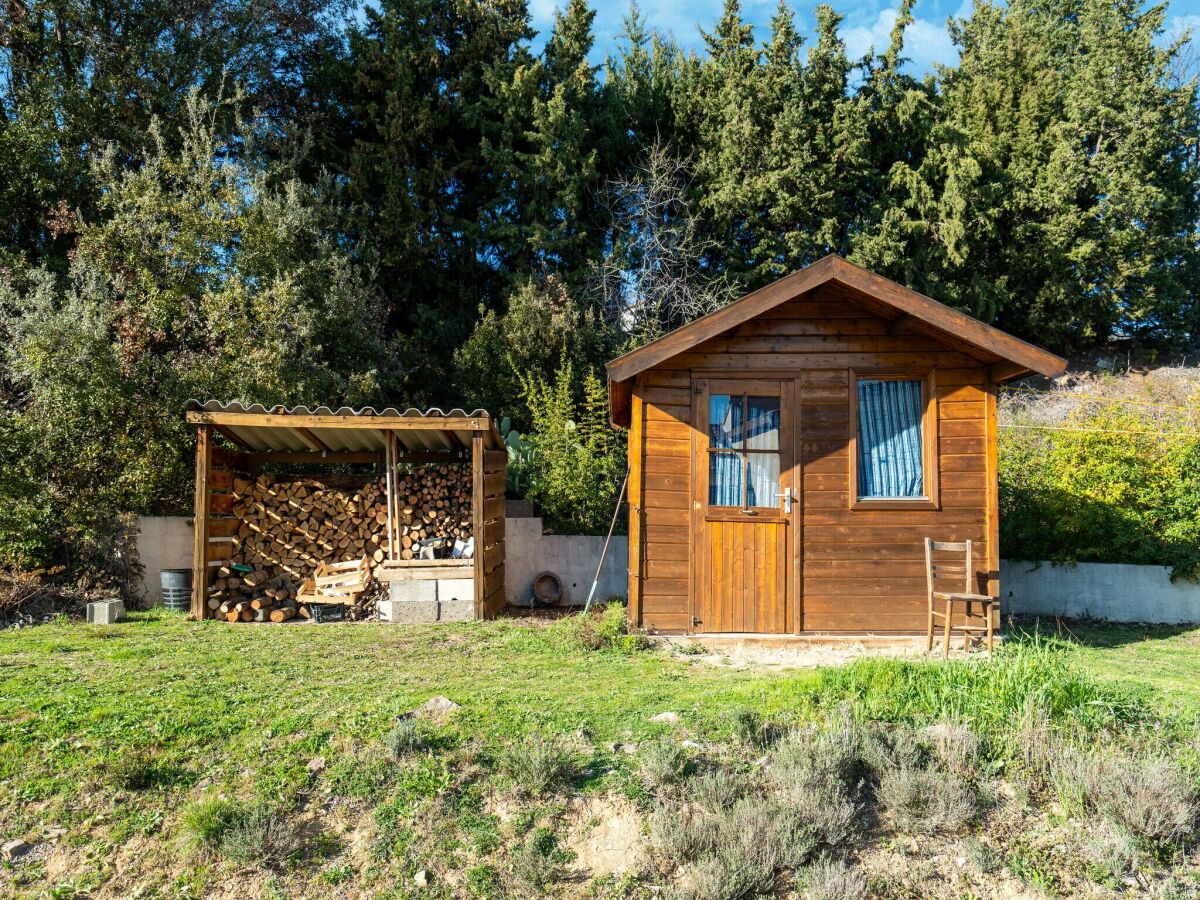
(289, 527)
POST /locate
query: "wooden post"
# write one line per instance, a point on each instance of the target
(993, 503)
(477, 517)
(200, 522)
(390, 477)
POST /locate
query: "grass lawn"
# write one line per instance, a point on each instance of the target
(132, 737)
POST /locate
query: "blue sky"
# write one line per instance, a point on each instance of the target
(867, 22)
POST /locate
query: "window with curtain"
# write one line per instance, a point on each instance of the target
(891, 442)
(743, 450)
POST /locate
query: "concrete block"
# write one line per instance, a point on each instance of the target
(456, 610)
(408, 612)
(456, 589)
(413, 591)
(105, 612)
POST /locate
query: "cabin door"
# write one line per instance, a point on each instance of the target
(743, 515)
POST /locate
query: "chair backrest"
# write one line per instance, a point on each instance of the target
(936, 571)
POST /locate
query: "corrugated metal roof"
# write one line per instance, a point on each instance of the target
(345, 429)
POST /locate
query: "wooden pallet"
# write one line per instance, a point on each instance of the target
(342, 582)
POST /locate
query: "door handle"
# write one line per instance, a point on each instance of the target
(787, 499)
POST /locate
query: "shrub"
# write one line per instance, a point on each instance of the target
(716, 790)
(926, 801)
(254, 833)
(537, 764)
(956, 747)
(1150, 797)
(607, 628)
(405, 738)
(1102, 489)
(577, 459)
(664, 764)
(538, 860)
(679, 835)
(1110, 852)
(134, 770)
(831, 879)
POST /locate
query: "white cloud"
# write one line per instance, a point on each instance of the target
(925, 42)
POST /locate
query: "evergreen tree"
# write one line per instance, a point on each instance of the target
(1057, 194)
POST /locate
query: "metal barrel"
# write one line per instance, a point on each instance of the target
(176, 588)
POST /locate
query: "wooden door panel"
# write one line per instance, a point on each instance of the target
(746, 577)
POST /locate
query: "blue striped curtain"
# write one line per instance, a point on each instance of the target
(889, 439)
(762, 433)
(725, 470)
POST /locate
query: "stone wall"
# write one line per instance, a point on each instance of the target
(1113, 592)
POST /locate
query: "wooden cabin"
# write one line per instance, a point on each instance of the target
(790, 452)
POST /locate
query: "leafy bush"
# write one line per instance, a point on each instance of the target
(257, 832)
(1119, 483)
(605, 628)
(578, 460)
(680, 835)
(716, 790)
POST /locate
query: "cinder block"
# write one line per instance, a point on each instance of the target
(456, 610)
(105, 612)
(420, 589)
(408, 612)
(456, 589)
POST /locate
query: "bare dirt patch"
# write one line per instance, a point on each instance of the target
(605, 834)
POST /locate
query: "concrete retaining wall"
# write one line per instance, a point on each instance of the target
(572, 557)
(1114, 592)
(163, 542)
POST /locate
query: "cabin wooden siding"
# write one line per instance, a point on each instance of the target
(855, 569)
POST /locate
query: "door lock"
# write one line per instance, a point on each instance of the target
(787, 499)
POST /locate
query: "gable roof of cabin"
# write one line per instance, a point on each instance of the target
(1009, 357)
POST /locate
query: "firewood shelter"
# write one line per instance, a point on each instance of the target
(375, 513)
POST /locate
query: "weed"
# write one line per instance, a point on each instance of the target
(366, 778)
(205, 822)
(135, 770)
(405, 738)
(337, 873)
(984, 856)
(832, 879)
(483, 882)
(1110, 853)
(605, 629)
(537, 764)
(664, 764)
(956, 747)
(926, 801)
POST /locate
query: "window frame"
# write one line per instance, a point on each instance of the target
(743, 453)
(929, 440)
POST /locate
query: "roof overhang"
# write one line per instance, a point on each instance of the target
(258, 429)
(1006, 356)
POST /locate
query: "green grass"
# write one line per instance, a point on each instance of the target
(1165, 658)
(147, 730)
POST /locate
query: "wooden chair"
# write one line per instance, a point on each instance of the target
(936, 575)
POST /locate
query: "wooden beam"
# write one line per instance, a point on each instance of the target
(635, 451)
(900, 324)
(313, 441)
(1006, 371)
(374, 423)
(200, 523)
(389, 477)
(229, 435)
(478, 528)
(304, 457)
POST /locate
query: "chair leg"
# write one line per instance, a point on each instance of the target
(929, 628)
(946, 639)
(988, 610)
